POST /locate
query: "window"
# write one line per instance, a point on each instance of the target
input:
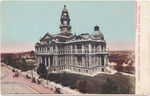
(79, 70)
(102, 69)
(86, 71)
(73, 69)
(54, 69)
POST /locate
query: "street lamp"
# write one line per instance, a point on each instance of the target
(47, 77)
(47, 74)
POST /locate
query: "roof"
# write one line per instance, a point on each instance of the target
(97, 34)
(64, 10)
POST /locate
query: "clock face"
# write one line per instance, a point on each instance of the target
(65, 13)
(65, 22)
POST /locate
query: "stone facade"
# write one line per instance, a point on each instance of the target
(84, 53)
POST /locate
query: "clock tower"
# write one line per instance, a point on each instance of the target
(65, 27)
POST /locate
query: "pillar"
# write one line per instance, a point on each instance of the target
(75, 48)
(82, 48)
(90, 61)
(76, 60)
(94, 48)
(83, 61)
(49, 61)
(52, 48)
(107, 60)
(89, 48)
(100, 60)
(71, 48)
(56, 47)
(71, 62)
(45, 61)
(41, 59)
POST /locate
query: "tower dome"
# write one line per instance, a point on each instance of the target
(97, 34)
(64, 10)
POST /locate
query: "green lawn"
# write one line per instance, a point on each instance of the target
(30, 62)
(94, 84)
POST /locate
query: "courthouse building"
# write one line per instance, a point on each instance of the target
(85, 53)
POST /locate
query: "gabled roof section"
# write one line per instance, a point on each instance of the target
(78, 37)
(38, 44)
(47, 36)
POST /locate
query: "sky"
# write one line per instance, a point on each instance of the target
(23, 23)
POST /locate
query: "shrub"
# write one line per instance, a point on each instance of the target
(81, 85)
(109, 87)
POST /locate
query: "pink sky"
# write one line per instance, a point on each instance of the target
(28, 47)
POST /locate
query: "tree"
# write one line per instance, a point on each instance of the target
(9, 60)
(65, 79)
(130, 67)
(109, 87)
(41, 71)
(119, 66)
(20, 63)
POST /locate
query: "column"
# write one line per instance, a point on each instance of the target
(94, 48)
(52, 48)
(56, 60)
(94, 61)
(65, 60)
(71, 48)
(100, 48)
(107, 60)
(89, 48)
(83, 61)
(76, 62)
(48, 61)
(90, 61)
(97, 59)
(56, 47)
(71, 60)
(75, 48)
(45, 61)
(100, 60)
(41, 59)
(82, 48)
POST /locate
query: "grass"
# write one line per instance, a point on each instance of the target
(30, 62)
(94, 84)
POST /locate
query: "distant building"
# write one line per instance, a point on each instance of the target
(29, 54)
(118, 57)
(85, 53)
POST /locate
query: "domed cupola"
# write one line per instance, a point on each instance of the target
(96, 34)
(64, 10)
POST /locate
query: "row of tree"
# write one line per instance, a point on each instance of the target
(19, 63)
